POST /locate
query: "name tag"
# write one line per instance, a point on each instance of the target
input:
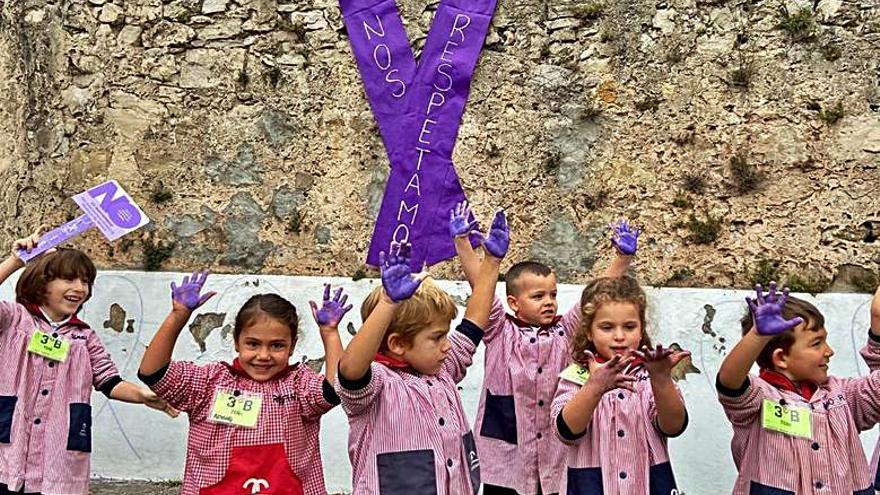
(794, 421)
(54, 348)
(238, 410)
(575, 373)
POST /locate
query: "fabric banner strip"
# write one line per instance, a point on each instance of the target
(418, 109)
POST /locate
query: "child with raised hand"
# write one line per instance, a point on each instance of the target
(871, 355)
(52, 361)
(617, 405)
(398, 375)
(525, 352)
(795, 428)
(253, 424)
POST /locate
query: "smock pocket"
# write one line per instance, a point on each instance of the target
(7, 412)
(79, 435)
(499, 418)
(756, 488)
(866, 491)
(407, 473)
(472, 459)
(585, 481)
(661, 480)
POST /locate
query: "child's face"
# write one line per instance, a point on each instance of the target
(428, 349)
(64, 297)
(808, 357)
(616, 329)
(535, 301)
(264, 347)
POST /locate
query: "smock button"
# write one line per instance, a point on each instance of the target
(55, 335)
(540, 370)
(37, 421)
(51, 364)
(622, 475)
(429, 383)
(620, 433)
(561, 333)
(442, 421)
(540, 403)
(45, 392)
(236, 393)
(449, 462)
(533, 340)
(620, 395)
(540, 435)
(819, 485)
(815, 446)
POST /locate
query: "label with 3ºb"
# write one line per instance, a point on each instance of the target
(794, 421)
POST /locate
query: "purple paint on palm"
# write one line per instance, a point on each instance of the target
(767, 311)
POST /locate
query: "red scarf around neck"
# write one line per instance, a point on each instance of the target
(804, 389)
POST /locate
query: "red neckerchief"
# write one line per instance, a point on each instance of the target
(520, 323)
(37, 312)
(236, 369)
(636, 362)
(782, 382)
(393, 363)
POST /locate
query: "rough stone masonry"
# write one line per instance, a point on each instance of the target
(744, 136)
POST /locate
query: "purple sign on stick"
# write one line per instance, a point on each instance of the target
(106, 206)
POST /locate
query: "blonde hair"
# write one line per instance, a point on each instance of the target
(413, 315)
(598, 292)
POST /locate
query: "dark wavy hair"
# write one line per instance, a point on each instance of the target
(271, 305)
(63, 263)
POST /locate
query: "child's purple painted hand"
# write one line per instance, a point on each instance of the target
(332, 310)
(610, 375)
(660, 361)
(397, 277)
(498, 241)
(625, 238)
(767, 312)
(461, 220)
(187, 294)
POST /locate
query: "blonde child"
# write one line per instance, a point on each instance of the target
(795, 428)
(398, 376)
(52, 360)
(617, 416)
(525, 352)
(254, 423)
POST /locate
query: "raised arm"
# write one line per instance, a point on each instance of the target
(875, 313)
(768, 322)
(328, 318)
(626, 241)
(496, 244)
(461, 225)
(184, 300)
(399, 284)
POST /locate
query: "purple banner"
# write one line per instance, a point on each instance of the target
(418, 110)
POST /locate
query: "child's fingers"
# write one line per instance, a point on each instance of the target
(784, 297)
(759, 294)
(336, 294)
(314, 309)
(421, 276)
(185, 280)
(772, 296)
(205, 297)
(792, 323)
(752, 306)
(173, 287)
(346, 309)
(343, 300)
(383, 262)
(678, 356)
(171, 411)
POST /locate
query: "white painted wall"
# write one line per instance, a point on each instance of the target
(134, 442)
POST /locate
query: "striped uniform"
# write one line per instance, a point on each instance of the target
(871, 355)
(408, 432)
(622, 451)
(292, 405)
(514, 427)
(831, 462)
(45, 411)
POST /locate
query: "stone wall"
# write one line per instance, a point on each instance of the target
(735, 131)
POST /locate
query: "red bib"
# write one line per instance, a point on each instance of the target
(257, 470)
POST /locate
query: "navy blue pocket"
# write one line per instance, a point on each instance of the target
(407, 473)
(499, 418)
(661, 480)
(756, 488)
(866, 491)
(472, 459)
(7, 412)
(585, 481)
(79, 436)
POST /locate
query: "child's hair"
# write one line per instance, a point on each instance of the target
(793, 308)
(66, 264)
(414, 314)
(598, 292)
(271, 305)
(523, 267)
